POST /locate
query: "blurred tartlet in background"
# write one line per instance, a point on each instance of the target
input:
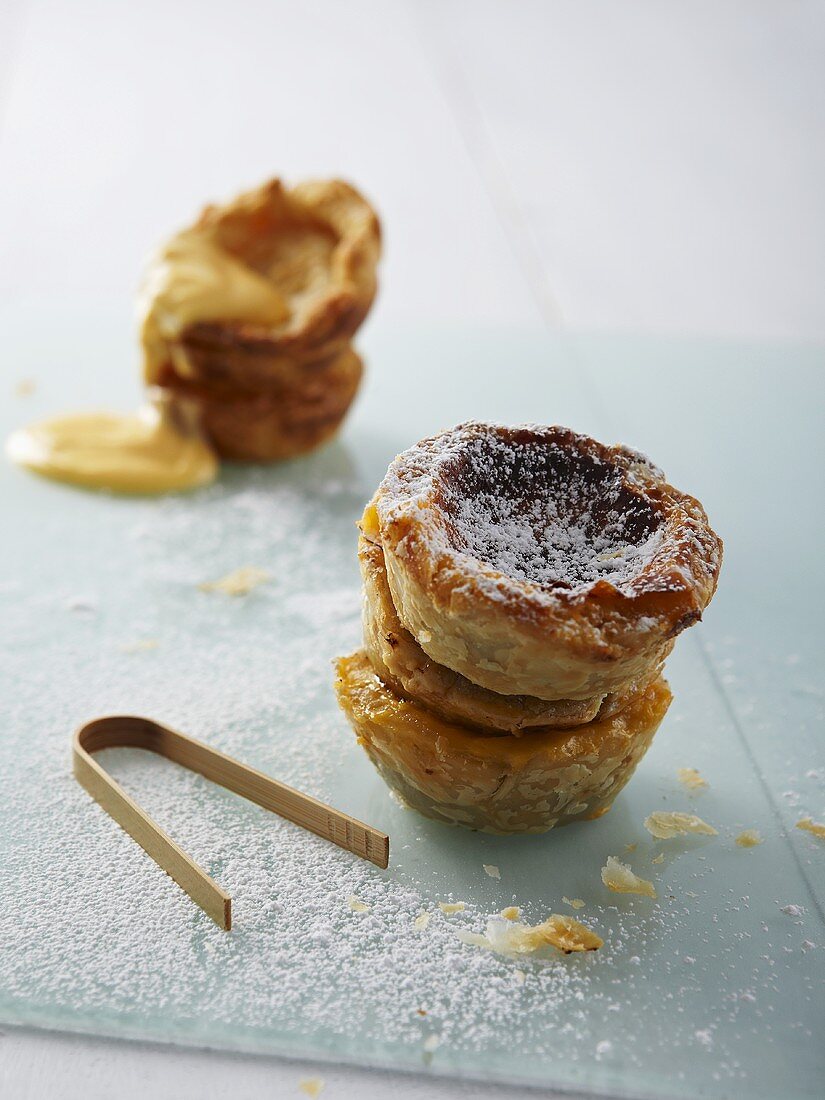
(248, 315)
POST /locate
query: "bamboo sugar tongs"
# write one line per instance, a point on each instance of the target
(125, 731)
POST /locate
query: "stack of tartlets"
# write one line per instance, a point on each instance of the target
(522, 589)
(248, 316)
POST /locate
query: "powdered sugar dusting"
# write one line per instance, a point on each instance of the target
(98, 938)
(539, 514)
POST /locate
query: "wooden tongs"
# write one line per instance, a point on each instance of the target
(128, 731)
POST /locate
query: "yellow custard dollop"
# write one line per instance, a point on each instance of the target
(192, 279)
(156, 450)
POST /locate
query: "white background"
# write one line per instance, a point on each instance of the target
(645, 165)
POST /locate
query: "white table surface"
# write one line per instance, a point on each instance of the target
(642, 166)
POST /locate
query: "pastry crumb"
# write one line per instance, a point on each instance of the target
(574, 903)
(511, 912)
(85, 605)
(421, 921)
(811, 826)
(368, 524)
(450, 907)
(491, 870)
(431, 1043)
(520, 976)
(749, 838)
(311, 1086)
(690, 778)
(630, 847)
(358, 906)
(237, 583)
(143, 645)
(666, 825)
(25, 387)
(659, 859)
(618, 876)
(506, 937)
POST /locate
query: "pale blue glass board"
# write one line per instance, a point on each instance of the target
(715, 990)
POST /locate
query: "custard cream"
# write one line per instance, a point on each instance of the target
(155, 450)
(191, 279)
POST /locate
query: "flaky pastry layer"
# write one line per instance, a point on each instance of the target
(250, 312)
(280, 421)
(496, 783)
(535, 561)
(318, 245)
(405, 667)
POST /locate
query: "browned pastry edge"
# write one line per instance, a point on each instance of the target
(251, 354)
(404, 666)
(497, 783)
(269, 393)
(512, 635)
(281, 421)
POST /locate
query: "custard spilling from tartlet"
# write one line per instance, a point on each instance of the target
(152, 451)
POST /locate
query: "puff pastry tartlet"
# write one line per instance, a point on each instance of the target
(249, 315)
(522, 589)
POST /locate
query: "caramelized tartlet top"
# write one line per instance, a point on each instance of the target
(537, 560)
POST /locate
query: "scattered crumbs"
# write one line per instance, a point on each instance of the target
(143, 645)
(665, 825)
(450, 907)
(691, 779)
(630, 847)
(85, 605)
(512, 912)
(431, 1043)
(690, 894)
(25, 387)
(574, 903)
(619, 877)
(793, 910)
(311, 1086)
(812, 827)
(659, 859)
(491, 870)
(506, 937)
(749, 838)
(421, 921)
(296, 919)
(808, 945)
(239, 582)
(603, 1047)
(704, 1036)
(356, 905)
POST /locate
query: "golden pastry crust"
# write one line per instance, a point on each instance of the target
(248, 312)
(404, 666)
(319, 244)
(280, 421)
(497, 783)
(536, 561)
